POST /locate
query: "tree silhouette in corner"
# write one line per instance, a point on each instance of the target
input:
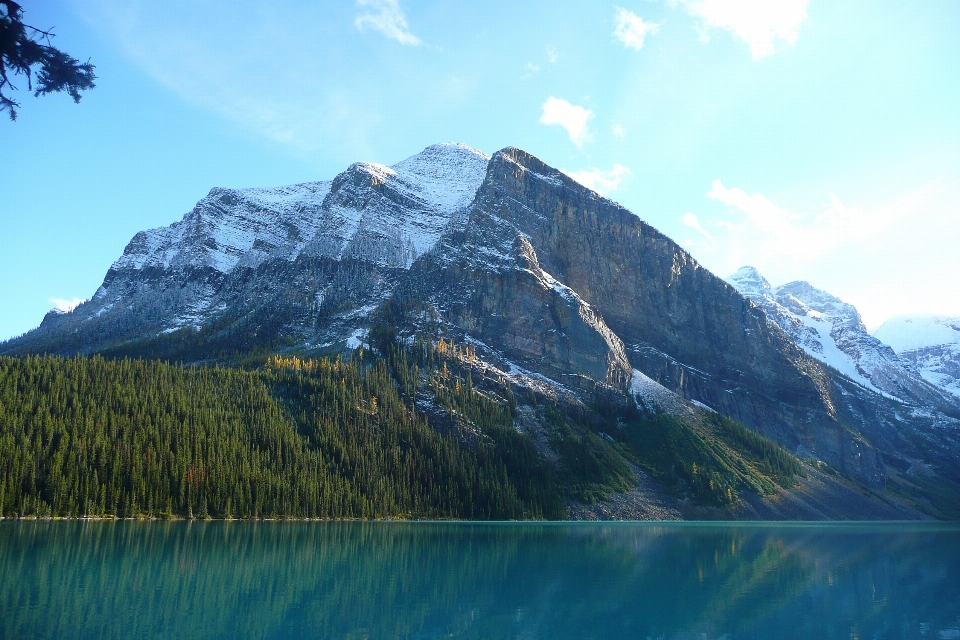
(26, 50)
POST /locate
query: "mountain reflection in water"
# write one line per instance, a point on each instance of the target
(431, 580)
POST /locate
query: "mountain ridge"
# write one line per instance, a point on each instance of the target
(930, 343)
(555, 286)
(833, 332)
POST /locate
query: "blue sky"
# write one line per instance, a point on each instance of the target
(813, 139)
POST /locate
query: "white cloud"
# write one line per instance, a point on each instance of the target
(763, 214)
(771, 234)
(530, 71)
(759, 23)
(618, 131)
(888, 256)
(571, 117)
(690, 220)
(552, 55)
(387, 17)
(603, 182)
(66, 306)
(775, 231)
(630, 28)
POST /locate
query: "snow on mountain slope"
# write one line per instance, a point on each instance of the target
(653, 396)
(832, 331)
(392, 215)
(384, 217)
(447, 175)
(407, 205)
(230, 227)
(930, 343)
(908, 333)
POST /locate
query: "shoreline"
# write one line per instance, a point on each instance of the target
(577, 522)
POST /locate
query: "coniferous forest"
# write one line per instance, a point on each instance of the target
(402, 435)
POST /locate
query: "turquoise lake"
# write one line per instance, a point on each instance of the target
(461, 580)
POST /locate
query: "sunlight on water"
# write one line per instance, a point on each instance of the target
(432, 580)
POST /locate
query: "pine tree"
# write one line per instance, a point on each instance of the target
(27, 51)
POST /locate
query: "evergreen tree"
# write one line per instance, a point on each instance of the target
(26, 50)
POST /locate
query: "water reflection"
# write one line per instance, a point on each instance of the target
(420, 580)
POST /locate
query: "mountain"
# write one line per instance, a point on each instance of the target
(556, 290)
(832, 331)
(931, 344)
(306, 262)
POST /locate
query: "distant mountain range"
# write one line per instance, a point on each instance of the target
(914, 358)
(556, 290)
(832, 331)
(930, 343)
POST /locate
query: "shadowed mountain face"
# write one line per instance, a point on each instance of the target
(671, 318)
(548, 280)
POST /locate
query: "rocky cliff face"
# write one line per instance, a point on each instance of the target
(551, 283)
(679, 324)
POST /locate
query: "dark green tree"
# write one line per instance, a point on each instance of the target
(26, 50)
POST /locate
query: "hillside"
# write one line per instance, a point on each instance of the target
(409, 436)
(557, 292)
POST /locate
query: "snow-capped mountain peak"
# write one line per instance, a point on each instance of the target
(833, 332)
(749, 282)
(930, 343)
(230, 227)
(406, 206)
(804, 299)
(388, 216)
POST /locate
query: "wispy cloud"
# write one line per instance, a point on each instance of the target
(630, 29)
(887, 257)
(603, 182)
(758, 23)
(690, 220)
(66, 306)
(387, 17)
(552, 55)
(530, 70)
(769, 232)
(571, 117)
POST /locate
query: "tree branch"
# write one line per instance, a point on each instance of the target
(21, 52)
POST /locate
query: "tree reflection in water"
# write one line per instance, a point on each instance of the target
(431, 580)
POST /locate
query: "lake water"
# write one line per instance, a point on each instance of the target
(441, 580)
